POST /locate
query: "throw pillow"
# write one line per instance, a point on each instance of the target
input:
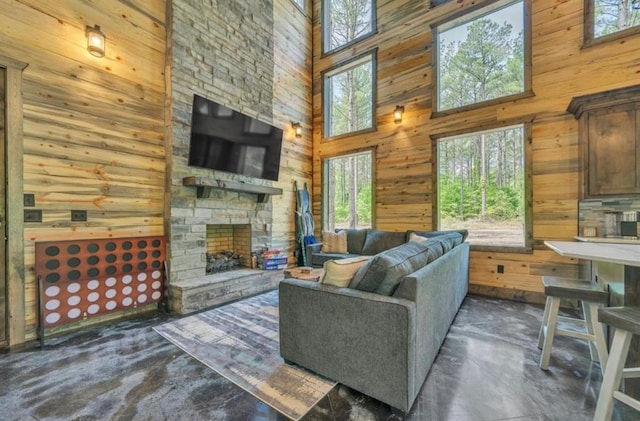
(415, 238)
(334, 242)
(340, 272)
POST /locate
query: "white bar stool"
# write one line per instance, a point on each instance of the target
(591, 296)
(626, 321)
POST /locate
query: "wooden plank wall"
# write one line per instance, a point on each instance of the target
(93, 127)
(561, 70)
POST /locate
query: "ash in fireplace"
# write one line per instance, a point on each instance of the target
(222, 261)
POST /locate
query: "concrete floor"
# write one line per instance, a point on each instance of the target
(486, 370)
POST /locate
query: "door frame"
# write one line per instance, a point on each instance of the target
(15, 267)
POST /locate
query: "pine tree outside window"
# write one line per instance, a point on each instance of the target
(346, 21)
(611, 19)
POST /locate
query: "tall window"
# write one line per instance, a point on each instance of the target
(482, 187)
(481, 56)
(299, 3)
(608, 17)
(347, 189)
(348, 98)
(346, 21)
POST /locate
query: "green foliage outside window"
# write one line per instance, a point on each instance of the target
(611, 16)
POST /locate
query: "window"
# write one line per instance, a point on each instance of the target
(482, 187)
(481, 56)
(348, 99)
(346, 21)
(299, 3)
(347, 189)
(604, 18)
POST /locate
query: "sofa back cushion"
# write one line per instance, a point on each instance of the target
(355, 239)
(383, 272)
(379, 241)
(430, 234)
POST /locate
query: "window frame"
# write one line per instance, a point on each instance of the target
(326, 24)
(528, 246)
(472, 14)
(325, 189)
(589, 38)
(302, 7)
(326, 99)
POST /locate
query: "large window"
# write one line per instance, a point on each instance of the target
(482, 187)
(347, 189)
(482, 56)
(608, 17)
(349, 97)
(346, 21)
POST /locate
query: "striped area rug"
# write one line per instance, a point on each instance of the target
(240, 342)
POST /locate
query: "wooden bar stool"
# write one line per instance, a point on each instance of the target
(591, 296)
(626, 321)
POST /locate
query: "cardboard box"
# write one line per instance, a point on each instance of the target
(275, 263)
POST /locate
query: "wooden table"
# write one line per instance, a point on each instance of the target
(628, 256)
(304, 273)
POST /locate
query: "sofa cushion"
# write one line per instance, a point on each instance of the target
(384, 272)
(379, 241)
(340, 272)
(334, 242)
(355, 240)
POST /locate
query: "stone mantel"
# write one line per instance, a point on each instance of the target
(205, 184)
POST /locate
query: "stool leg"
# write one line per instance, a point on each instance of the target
(598, 331)
(588, 322)
(612, 375)
(545, 322)
(550, 332)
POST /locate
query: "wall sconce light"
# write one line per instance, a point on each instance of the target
(95, 41)
(297, 128)
(397, 114)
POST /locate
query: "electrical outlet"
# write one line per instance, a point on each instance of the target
(500, 268)
(32, 215)
(29, 199)
(78, 215)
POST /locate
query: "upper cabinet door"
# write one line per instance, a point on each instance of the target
(612, 151)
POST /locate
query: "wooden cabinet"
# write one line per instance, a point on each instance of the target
(609, 141)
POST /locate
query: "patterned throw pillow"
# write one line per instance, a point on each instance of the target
(334, 242)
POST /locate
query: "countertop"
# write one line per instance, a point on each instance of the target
(625, 254)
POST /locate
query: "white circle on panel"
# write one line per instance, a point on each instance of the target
(93, 297)
(74, 313)
(142, 298)
(73, 288)
(127, 301)
(126, 279)
(110, 305)
(52, 291)
(74, 300)
(156, 274)
(142, 287)
(127, 290)
(93, 284)
(52, 318)
(156, 285)
(52, 305)
(93, 309)
(142, 276)
(156, 295)
(111, 281)
(111, 293)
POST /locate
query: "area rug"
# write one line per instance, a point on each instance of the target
(240, 342)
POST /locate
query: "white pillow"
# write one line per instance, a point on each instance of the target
(415, 238)
(340, 272)
(334, 242)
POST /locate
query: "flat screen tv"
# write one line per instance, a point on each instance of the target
(226, 140)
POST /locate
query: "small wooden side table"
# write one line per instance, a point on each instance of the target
(304, 273)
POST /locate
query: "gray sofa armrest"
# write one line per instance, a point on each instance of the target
(363, 340)
(311, 249)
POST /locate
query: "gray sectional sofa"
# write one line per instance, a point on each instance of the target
(367, 242)
(381, 334)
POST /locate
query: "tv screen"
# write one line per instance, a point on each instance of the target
(227, 140)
